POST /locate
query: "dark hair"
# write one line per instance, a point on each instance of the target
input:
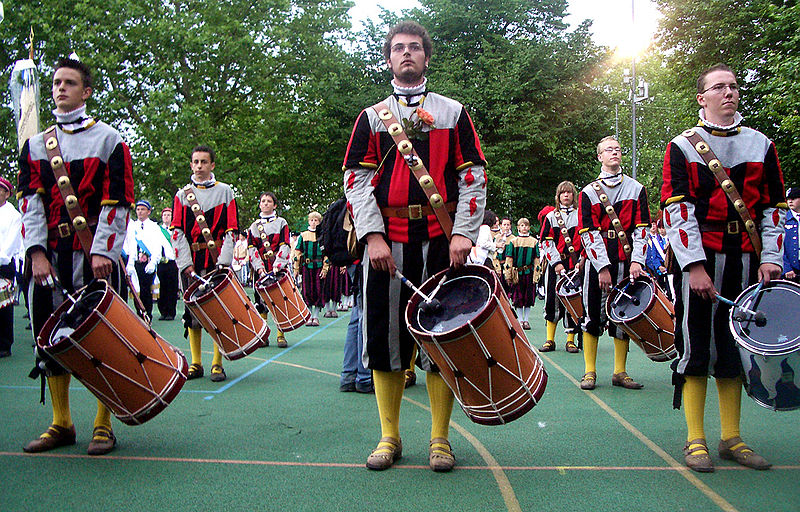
(701, 80)
(204, 149)
(489, 218)
(408, 27)
(269, 194)
(80, 67)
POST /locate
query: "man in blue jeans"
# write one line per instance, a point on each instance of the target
(354, 376)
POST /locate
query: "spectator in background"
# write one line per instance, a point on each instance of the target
(791, 247)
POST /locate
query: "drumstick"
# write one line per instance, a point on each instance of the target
(205, 282)
(430, 305)
(758, 316)
(634, 300)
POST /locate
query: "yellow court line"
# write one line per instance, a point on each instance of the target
(680, 468)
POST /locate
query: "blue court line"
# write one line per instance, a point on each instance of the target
(222, 388)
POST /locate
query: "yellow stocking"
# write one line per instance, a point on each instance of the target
(551, 331)
(730, 406)
(441, 398)
(620, 355)
(217, 359)
(59, 397)
(570, 337)
(103, 418)
(590, 352)
(389, 395)
(194, 343)
(694, 406)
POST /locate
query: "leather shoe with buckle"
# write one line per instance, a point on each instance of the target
(571, 348)
(588, 381)
(735, 449)
(103, 441)
(548, 346)
(622, 379)
(700, 462)
(389, 450)
(217, 373)
(440, 455)
(55, 437)
(195, 371)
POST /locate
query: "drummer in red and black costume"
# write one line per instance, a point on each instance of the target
(268, 247)
(384, 195)
(560, 257)
(708, 239)
(98, 163)
(612, 257)
(192, 253)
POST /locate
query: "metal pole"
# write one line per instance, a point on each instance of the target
(633, 101)
(616, 121)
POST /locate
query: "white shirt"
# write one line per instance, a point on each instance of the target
(149, 234)
(10, 233)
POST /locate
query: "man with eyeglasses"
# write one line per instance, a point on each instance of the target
(713, 242)
(616, 247)
(399, 224)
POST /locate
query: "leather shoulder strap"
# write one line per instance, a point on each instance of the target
(616, 224)
(562, 226)
(200, 218)
(79, 222)
(718, 170)
(414, 163)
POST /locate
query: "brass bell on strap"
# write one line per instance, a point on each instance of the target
(426, 181)
(626, 248)
(71, 201)
(51, 143)
(617, 223)
(436, 201)
(603, 198)
(195, 207)
(609, 209)
(715, 165)
(80, 223)
(395, 129)
(56, 162)
(385, 114)
(211, 244)
(727, 185)
(701, 147)
(688, 133)
(750, 226)
(190, 196)
(739, 205)
(63, 182)
(405, 147)
(206, 232)
(201, 219)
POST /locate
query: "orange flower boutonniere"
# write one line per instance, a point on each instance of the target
(418, 128)
(425, 116)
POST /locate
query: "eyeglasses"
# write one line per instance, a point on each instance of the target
(721, 88)
(613, 150)
(412, 48)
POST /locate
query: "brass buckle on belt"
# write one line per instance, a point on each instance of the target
(415, 211)
(611, 234)
(64, 230)
(733, 227)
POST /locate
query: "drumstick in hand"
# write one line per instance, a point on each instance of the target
(430, 305)
(758, 316)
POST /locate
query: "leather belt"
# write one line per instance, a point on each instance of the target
(415, 211)
(309, 260)
(65, 229)
(202, 245)
(733, 227)
(611, 234)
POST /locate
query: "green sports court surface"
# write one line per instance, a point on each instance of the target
(278, 435)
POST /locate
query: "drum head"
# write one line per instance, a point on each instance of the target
(571, 286)
(268, 280)
(461, 298)
(214, 279)
(85, 304)
(780, 303)
(622, 307)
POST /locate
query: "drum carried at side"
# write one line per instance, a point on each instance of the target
(769, 346)
(569, 292)
(284, 301)
(478, 345)
(222, 307)
(643, 311)
(118, 357)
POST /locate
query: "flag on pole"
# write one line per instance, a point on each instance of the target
(24, 87)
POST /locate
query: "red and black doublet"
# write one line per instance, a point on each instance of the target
(556, 229)
(387, 199)
(310, 261)
(219, 208)
(266, 238)
(98, 163)
(703, 226)
(603, 245)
